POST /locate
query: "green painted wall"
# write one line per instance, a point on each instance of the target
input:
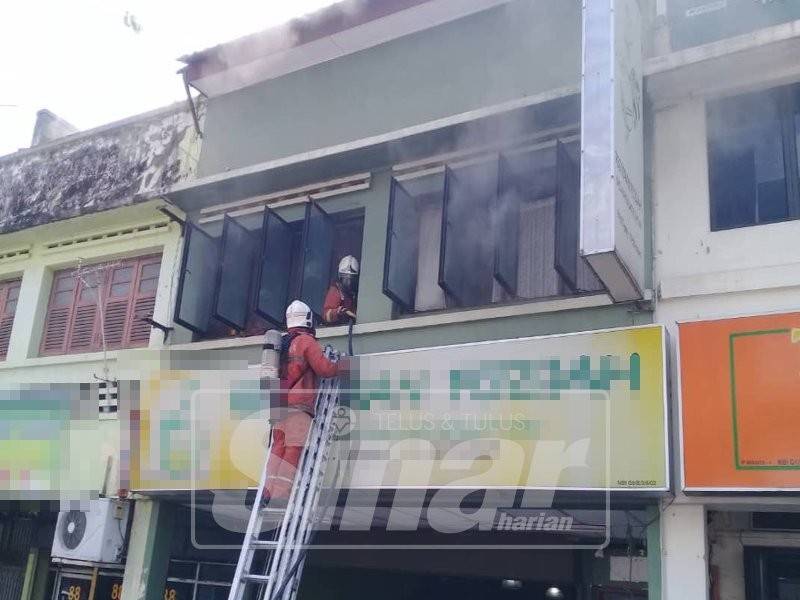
(566, 321)
(514, 50)
(148, 550)
(654, 553)
(489, 329)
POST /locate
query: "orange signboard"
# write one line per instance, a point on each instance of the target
(740, 403)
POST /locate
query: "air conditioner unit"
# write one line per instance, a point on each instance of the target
(96, 535)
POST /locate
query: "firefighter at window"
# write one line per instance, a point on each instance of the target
(340, 301)
(302, 364)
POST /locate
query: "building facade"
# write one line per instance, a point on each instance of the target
(80, 221)
(723, 261)
(470, 155)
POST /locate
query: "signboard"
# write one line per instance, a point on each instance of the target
(582, 411)
(612, 140)
(50, 445)
(740, 383)
(189, 424)
(696, 22)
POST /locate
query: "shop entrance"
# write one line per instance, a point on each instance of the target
(409, 565)
(351, 584)
(772, 573)
(75, 583)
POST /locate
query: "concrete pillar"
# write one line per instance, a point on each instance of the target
(684, 555)
(654, 553)
(31, 308)
(148, 550)
(39, 590)
(167, 293)
(30, 574)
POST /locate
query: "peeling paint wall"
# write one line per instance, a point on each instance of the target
(106, 168)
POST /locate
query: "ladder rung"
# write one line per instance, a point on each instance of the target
(315, 456)
(272, 510)
(262, 544)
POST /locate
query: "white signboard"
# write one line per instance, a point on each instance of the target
(612, 165)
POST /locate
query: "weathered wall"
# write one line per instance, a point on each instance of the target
(112, 166)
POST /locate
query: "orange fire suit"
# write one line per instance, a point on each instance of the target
(301, 368)
(337, 301)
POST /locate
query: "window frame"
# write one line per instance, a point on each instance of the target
(563, 163)
(196, 581)
(305, 250)
(387, 257)
(256, 318)
(255, 249)
(506, 200)
(451, 178)
(269, 214)
(6, 286)
(787, 98)
(189, 231)
(567, 137)
(102, 297)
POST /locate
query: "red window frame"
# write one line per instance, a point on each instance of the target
(72, 324)
(9, 295)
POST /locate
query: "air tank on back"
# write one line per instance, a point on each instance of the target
(271, 354)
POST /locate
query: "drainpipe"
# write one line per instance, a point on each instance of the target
(189, 99)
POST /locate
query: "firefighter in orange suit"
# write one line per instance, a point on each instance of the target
(340, 301)
(302, 364)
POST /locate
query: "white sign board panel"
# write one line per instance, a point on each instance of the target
(612, 165)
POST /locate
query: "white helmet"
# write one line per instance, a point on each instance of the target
(298, 314)
(348, 266)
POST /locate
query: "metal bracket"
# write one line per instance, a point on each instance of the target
(173, 217)
(163, 328)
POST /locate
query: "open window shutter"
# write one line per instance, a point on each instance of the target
(467, 256)
(568, 208)
(238, 249)
(198, 277)
(59, 312)
(505, 219)
(144, 301)
(9, 293)
(275, 269)
(318, 238)
(402, 247)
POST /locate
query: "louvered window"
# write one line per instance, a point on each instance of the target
(126, 292)
(240, 283)
(499, 228)
(9, 293)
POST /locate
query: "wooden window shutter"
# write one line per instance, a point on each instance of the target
(130, 296)
(59, 314)
(9, 293)
(117, 295)
(126, 290)
(144, 301)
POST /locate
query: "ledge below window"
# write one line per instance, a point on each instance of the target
(61, 359)
(427, 320)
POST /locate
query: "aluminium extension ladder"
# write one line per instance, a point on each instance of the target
(277, 575)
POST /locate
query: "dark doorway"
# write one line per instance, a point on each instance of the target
(357, 584)
(772, 573)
